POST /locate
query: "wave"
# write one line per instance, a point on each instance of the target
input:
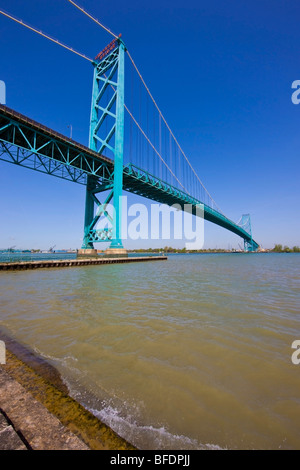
(124, 423)
(147, 437)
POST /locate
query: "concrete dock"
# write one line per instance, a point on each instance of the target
(25, 424)
(67, 263)
(37, 413)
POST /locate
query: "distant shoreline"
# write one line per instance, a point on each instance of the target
(210, 251)
(157, 251)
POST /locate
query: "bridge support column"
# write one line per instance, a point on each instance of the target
(107, 135)
(249, 244)
(87, 249)
(86, 253)
(116, 243)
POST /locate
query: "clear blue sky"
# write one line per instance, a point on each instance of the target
(221, 72)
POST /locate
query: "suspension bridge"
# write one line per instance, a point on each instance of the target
(131, 148)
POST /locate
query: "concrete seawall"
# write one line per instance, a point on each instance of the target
(25, 424)
(67, 263)
(37, 413)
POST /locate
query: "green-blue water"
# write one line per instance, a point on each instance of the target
(15, 257)
(189, 353)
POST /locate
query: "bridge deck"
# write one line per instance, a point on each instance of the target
(45, 131)
(41, 142)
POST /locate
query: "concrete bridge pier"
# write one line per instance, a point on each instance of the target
(109, 253)
(87, 253)
(116, 253)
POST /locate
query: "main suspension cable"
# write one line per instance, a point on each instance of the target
(160, 113)
(139, 74)
(93, 18)
(45, 35)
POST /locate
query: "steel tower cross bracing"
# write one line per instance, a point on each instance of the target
(106, 135)
(245, 223)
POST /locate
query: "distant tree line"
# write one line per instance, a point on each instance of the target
(285, 249)
(169, 249)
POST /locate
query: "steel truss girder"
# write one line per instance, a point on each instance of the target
(142, 183)
(18, 156)
(32, 139)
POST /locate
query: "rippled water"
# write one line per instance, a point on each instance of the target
(15, 257)
(189, 353)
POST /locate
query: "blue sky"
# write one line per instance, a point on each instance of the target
(221, 72)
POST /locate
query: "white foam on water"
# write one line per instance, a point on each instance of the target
(61, 363)
(147, 437)
(124, 423)
(62, 360)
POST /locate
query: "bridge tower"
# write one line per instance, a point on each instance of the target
(106, 136)
(245, 223)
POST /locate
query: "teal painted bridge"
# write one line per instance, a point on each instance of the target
(29, 144)
(130, 148)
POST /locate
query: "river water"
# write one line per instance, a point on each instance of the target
(189, 353)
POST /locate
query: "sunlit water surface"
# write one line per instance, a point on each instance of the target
(189, 353)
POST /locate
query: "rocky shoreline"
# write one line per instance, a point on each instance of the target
(37, 413)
